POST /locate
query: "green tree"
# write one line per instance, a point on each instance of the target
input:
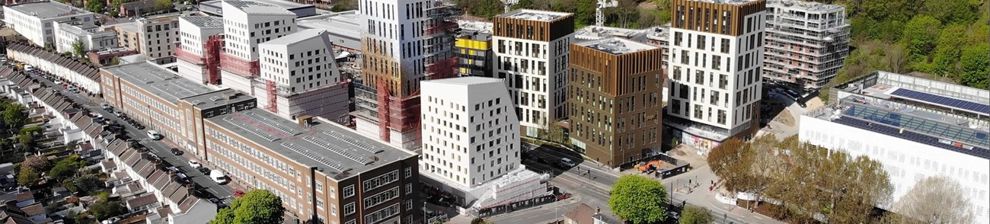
(639, 199)
(950, 11)
(975, 63)
(919, 36)
(695, 215)
(65, 168)
(27, 177)
(479, 220)
(105, 209)
(14, 116)
(256, 206)
(947, 51)
(87, 184)
(164, 4)
(78, 49)
(115, 7)
(95, 6)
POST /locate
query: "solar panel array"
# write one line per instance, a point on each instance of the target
(930, 127)
(313, 156)
(941, 100)
(340, 150)
(353, 142)
(253, 130)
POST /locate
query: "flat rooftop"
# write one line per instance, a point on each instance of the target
(217, 98)
(603, 32)
(205, 21)
(804, 5)
(333, 149)
(731, 2)
(158, 81)
(269, 7)
(923, 93)
(48, 9)
(466, 81)
(903, 121)
(474, 35)
(617, 45)
(301, 35)
(344, 27)
(535, 15)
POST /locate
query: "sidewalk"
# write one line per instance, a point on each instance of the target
(699, 194)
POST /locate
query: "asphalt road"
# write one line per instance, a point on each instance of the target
(159, 148)
(589, 183)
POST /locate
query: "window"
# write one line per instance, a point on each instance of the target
(408, 188)
(381, 197)
(409, 205)
(408, 172)
(349, 208)
(380, 180)
(348, 191)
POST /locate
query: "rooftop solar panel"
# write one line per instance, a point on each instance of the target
(920, 125)
(944, 101)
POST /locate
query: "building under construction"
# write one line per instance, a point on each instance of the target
(806, 42)
(387, 102)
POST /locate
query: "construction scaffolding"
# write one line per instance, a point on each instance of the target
(272, 89)
(214, 45)
(237, 65)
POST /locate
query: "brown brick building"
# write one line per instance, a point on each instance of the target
(614, 99)
(319, 169)
(316, 167)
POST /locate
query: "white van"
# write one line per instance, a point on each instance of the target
(218, 176)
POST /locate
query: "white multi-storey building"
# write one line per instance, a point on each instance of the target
(806, 42)
(36, 20)
(247, 24)
(299, 76)
(470, 135)
(531, 49)
(714, 70)
(916, 128)
(90, 36)
(194, 33)
(471, 142)
(403, 42)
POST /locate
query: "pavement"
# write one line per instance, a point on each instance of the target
(700, 195)
(161, 148)
(590, 183)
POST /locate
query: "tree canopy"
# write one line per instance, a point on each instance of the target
(256, 206)
(695, 215)
(936, 199)
(803, 177)
(639, 199)
(95, 6)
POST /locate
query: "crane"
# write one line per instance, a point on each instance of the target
(599, 11)
(508, 4)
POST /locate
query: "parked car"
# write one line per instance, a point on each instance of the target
(567, 163)
(176, 151)
(105, 106)
(195, 164)
(154, 135)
